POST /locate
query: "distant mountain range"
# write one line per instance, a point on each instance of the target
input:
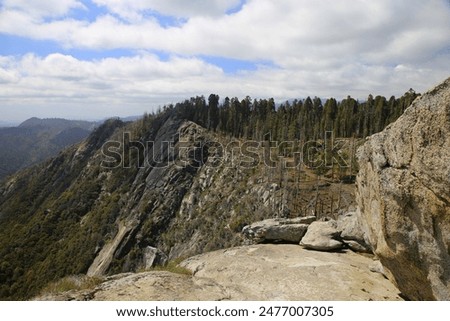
(37, 139)
(7, 124)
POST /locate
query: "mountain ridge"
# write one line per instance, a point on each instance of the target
(35, 140)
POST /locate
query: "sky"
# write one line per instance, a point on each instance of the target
(91, 59)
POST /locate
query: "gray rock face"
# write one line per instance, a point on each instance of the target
(278, 230)
(297, 220)
(356, 246)
(258, 273)
(322, 236)
(377, 267)
(404, 196)
(350, 227)
(352, 233)
(153, 256)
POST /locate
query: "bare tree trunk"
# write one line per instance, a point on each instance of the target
(339, 194)
(331, 208)
(317, 197)
(351, 155)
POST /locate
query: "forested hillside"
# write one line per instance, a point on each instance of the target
(36, 140)
(306, 119)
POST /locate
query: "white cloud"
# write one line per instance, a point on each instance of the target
(285, 31)
(40, 9)
(320, 47)
(8, 76)
(111, 85)
(61, 85)
(133, 10)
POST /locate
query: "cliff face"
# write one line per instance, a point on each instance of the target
(403, 193)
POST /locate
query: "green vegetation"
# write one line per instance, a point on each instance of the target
(71, 283)
(52, 223)
(36, 140)
(173, 267)
(302, 120)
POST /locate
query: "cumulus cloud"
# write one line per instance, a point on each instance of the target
(73, 75)
(284, 31)
(178, 8)
(114, 86)
(132, 85)
(320, 47)
(41, 9)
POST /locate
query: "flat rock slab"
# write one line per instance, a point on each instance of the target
(160, 286)
(278, 230)
(258, 273)
(289, 272)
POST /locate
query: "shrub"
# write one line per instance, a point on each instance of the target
(69, 283)
(173, 267)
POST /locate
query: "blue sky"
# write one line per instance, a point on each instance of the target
(17, 45)
(90, 59)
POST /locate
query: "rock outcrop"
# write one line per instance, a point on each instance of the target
(278, 230)
(352, 233)
(322, 236)
(154, 257)
(257, 272)
(404, 196)
(329, 235)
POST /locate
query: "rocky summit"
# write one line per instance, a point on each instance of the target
(403, 193)
(257, 272)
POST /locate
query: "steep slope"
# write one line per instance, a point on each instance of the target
(40, 212)
(38, 139)
(403, 191)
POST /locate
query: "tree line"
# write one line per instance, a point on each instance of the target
(300, 119)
